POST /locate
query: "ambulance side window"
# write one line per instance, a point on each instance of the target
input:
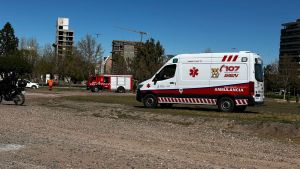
(166, 73)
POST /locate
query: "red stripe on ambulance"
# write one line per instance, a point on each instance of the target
(235, 58)
(224, 58)
(229, 58)
(187, 100)
(240, 102)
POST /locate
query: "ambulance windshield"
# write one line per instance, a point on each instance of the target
(259, 72)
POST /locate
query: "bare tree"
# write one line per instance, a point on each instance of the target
(288, 73)
(91, 51)
(29, 48)
(271, 76)
(28, 44)
(46, 63)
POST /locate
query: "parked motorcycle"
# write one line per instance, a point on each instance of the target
(12, 90)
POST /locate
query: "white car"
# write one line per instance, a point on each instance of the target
(31, 85)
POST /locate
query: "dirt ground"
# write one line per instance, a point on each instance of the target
(48, 132)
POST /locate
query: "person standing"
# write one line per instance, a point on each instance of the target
(50, 83)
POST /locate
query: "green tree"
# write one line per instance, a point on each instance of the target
(15, 62)
(8, 40)
(148, 60)
(74, 68)
(120, 66)
(11, 59)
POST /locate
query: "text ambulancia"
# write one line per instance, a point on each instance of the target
(232, 81)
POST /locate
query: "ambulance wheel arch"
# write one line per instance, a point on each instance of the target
(226, 103)
(150, 101)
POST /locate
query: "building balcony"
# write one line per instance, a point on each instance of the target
(289, 36)
(287, 50)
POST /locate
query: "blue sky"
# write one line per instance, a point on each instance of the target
(182, 26)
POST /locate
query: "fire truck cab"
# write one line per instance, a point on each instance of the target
(232, 81)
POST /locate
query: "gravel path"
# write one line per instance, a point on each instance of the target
(69, 134)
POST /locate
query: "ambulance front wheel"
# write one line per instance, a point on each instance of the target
(150, 101)
(226, 104)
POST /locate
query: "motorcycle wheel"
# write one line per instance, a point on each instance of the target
(19, 99)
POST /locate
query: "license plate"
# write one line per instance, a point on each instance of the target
(23, 92)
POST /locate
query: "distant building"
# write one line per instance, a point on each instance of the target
(64, 38)
(290, 45)
(125, 49)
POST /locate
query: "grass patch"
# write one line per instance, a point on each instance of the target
(270, 112)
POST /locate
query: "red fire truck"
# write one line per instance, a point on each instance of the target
(118, 83)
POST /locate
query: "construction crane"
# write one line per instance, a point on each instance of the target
(135, 31)
(98, 34)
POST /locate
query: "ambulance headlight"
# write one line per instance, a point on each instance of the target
(140, 86)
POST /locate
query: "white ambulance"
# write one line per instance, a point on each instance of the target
(232, 81)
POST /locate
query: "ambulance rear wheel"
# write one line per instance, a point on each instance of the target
(150, 101)
(226, 104)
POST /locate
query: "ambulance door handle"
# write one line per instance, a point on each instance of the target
(172, 82)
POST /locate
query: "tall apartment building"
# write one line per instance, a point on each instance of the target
(290, 46)
(126, 49)
(64, 37)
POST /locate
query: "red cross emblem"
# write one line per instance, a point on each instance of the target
(194, 72)
(148, 85)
